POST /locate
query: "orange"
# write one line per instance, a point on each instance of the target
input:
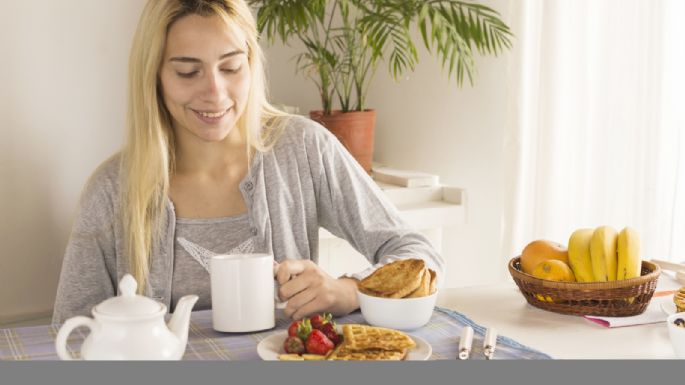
(554, 270)
(541, 250)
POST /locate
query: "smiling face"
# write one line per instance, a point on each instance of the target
(205, 77)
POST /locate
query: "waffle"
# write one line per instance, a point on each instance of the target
(343, 353)
(679, 299)
(396, 279)
(361, 337)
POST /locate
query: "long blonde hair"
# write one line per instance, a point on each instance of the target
(148, 156)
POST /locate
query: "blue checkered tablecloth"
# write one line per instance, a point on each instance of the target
(204, 343)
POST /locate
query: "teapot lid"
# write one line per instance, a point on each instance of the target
(128, 303)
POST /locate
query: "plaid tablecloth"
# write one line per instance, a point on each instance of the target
(204, 343)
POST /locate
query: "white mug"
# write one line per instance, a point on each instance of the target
(243, 292)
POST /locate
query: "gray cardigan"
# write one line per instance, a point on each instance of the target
(306, 181)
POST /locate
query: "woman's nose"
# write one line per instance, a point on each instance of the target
(213, 86)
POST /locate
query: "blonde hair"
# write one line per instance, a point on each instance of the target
(148, 156)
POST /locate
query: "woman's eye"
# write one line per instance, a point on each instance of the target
(232, 70)
(187, 75)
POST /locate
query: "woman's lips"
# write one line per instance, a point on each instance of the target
(211, 117)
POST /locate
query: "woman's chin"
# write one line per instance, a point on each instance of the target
(211, 134)
(212, 137)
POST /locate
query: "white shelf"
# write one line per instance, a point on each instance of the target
(427, 209)
(423, 207)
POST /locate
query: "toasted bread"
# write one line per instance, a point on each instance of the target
(370, 292)
(424, 286)
(679, 299)
(433, 283)
(396, 279)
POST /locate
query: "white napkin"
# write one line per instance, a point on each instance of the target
(654, 313)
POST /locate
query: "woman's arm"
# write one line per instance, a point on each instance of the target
(353, 207)
(88, 273)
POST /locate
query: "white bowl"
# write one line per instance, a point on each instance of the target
(397, 313)
(677, 334)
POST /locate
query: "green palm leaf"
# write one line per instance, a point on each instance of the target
(347, 39)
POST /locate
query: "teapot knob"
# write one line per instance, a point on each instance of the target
(128, 286)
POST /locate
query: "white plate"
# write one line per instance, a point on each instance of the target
(270, 347)
(668, 307)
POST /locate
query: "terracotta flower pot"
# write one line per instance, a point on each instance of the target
(355, 130)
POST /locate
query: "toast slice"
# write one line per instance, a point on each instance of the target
(424, 286)
(370, 292)
(433, 286)
(396, 279)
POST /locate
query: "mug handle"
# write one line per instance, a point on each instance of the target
(280, 305)
(66, 329)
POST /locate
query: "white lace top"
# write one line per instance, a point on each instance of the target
(197, 240)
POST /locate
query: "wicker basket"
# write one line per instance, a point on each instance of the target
(611, 299)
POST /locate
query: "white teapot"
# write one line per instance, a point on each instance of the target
(130, 327)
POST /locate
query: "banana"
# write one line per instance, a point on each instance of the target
(629, 261)
(579, 255)
(603, 254)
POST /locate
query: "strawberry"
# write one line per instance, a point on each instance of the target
(293, 345)
(320, 319)
(318, 343)
(292, 329)
(332, 334)
(303, 329)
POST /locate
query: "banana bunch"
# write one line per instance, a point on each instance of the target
(603, 254)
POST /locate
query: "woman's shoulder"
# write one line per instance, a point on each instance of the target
(300, 131)
(105, 180)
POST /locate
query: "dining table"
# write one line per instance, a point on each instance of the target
(523, 331)
(562, 336)
(439, 339)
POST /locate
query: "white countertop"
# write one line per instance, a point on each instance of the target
(503, 307)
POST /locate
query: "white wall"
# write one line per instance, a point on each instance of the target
(426, 123)
(62, 90)
(62, 95)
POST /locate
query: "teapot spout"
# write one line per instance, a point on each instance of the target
(180, 320)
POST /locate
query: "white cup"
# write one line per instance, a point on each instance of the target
(243, 292)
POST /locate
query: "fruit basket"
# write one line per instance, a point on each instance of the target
(610, 299)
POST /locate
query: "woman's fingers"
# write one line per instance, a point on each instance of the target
(288, 269)
(298, 301)
(310, 290)
(294, 286)
(316, 305)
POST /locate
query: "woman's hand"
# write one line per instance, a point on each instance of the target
(310, 290)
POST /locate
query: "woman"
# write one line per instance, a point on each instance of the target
(210, 167)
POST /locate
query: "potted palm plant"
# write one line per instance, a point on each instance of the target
(345, 41)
